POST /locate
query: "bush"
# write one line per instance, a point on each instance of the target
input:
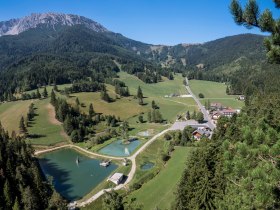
(165, 157)
(200, 95)
(167, 137)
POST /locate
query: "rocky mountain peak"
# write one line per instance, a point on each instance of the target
(52, 20)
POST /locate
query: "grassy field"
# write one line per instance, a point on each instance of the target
(127, 108)
(215, 92)
(159, 192)
(11, 112)
(50, 133)
(151, 154)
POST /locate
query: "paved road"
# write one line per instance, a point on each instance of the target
(201, 107)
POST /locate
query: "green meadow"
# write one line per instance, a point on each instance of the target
(215, 92)
(159, 191)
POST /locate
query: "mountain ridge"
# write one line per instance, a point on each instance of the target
(51, 19)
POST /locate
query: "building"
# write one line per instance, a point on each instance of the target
(228, 112)
(116, 178)
(216, 115)
(200, 132)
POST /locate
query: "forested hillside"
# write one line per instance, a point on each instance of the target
(22, 184)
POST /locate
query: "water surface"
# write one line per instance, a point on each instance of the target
(117, 148)
(72, 180)
(147, 166)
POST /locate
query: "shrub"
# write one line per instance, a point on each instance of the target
(200, 95)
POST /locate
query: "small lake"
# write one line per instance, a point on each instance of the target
(147, 166)
(117, 148)
(71, 179)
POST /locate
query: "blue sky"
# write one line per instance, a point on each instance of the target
(151, 21)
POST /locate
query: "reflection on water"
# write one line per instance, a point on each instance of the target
(71, 178)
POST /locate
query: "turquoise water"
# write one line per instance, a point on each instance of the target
(117, 148)
(72, 180)
(147, 166)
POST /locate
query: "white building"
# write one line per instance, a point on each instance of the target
(116, 178)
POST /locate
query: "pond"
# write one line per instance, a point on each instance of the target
(117, 148)
(71, 178)
(147, 166)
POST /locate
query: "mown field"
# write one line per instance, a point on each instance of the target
(159, 192)
(11, 112)
(215, 92)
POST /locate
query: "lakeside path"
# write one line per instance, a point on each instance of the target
(132, 158)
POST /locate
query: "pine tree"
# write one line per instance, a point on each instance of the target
(67, 124)
(8, 194)
(55, 88)
(38, 94)
(188, 116)
(154, 106)
(16, 205)
(140, 95)
(199, 117)
(250, 17)
(53, 98)
(149, 116)
(227, 90)
(91, 111)
(45, 92)
(112, 201)
(22, 127)
(77, 102)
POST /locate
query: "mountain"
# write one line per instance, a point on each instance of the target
(51, 20)
(58, 48)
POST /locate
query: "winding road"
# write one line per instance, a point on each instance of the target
(132, 158)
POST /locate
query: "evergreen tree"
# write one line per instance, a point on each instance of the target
(57, 202)
(140, 118)
(250, 17)
(45, 92)
(67, 124)
(22, 127)
(199, 117)
(16, 205)
(227, 91)
(188, 116)
(38, 94)
(140, 95)
(53, 98)
(77, 101)
(194, 115)
(149, 116)
(112, 201)
(91, 111)
(55, 88)
(8, 194)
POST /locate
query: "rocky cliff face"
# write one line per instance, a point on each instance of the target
(51, 20)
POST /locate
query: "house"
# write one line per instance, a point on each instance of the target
(216, 106)
(216, 115)
(200, 132)
(116, 178)
(228, 112)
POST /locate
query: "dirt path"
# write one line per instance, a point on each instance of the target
(54, 121)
